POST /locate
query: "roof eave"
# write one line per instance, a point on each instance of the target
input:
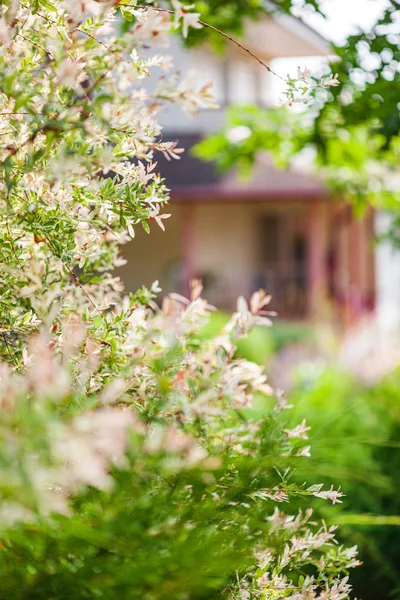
(300, 28)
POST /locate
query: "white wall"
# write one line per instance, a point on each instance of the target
(237, 79)
(153, 256)
(206, 67)
(224, 246)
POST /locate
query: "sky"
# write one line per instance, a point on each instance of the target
(343, 17)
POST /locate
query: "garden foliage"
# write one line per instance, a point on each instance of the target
(355, 440)
(132, 462)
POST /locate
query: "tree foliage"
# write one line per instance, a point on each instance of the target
(352, 129)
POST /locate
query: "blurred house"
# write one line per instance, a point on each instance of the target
(281, 230)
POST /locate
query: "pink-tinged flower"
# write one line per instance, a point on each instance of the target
(174, 441)
(113, 390)
(331, 81)
(70, 72)
(196, 288)
(304, 451)
(276, 494)
(304, 74)
(244, 319)
(190, 97)
(170, 150)
(281, 401)
(78, 10)
(189, 19)
(155, 287)
(152, 26)
(258, 301)
(5, 33)
(298, 432)
(158, 218)
(46, 376)
(106, 429)
(332, 495)
(264, 580)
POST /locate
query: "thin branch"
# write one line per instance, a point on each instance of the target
(220, 32)
(70, 271)
(73, 275)
(9, 349)
(14, 329)
(36, 45)
(21, 28)
(100, 79)
(93, 37)
(244, 48)
(46, 127)
(13, 245)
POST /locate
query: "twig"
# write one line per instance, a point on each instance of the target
(73, 275)
(36, 45)
(93, 37)
(70, 271)
(14, 329)
(51, 126)
(13, 245)
(9, 349)
(102, 76)
(244, 48)
(220, 32)
(21, 28)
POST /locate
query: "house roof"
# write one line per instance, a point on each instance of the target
(304, 31)
(283, 36)
(192, 180)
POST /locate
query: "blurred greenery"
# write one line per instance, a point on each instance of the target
(352, 130)
(354, 437)
(262, 344)
(164, 530)
(354, 133)
(355, 441)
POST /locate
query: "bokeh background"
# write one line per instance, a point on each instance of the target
(302, 200)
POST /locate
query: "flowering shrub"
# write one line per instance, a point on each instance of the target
(136, 458)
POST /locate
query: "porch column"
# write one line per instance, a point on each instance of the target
(364, 268)
(358, 265)
(188, 246)
(363, 264)
(317, 259)
(371, 274)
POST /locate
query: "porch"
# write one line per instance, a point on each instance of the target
(311, 254)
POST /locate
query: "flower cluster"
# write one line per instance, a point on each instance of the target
(302, 87)
(174, 418)
(301, 543)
